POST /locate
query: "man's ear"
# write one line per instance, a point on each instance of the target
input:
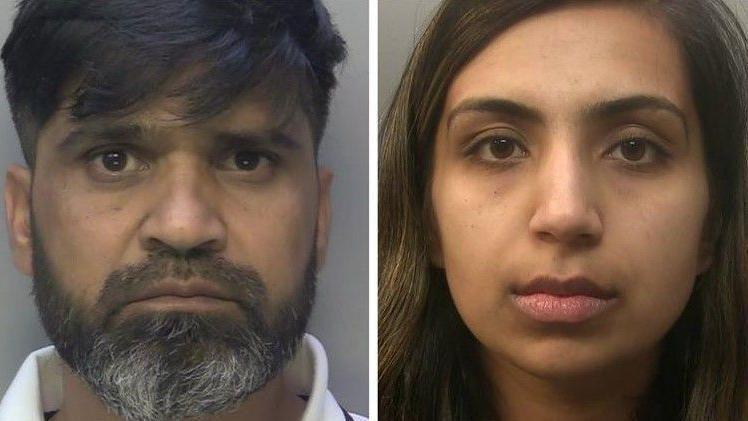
(324, 212)
(18, 216)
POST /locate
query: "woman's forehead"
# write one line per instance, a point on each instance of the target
(578, 55)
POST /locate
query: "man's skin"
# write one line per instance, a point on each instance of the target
(180, 188)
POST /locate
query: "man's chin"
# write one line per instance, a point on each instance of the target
(173, 365)
(175, 327)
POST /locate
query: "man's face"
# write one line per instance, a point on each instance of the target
(145, 227)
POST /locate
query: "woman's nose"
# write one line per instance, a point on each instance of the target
(566, 208)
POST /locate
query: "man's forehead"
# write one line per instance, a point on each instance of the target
(170, 112)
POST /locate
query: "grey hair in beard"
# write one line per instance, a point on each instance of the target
(172, 365)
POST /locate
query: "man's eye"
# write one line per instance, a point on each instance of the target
(257, 165)
(249, 161)
(636, 151)
(499, 148)
(116, 161)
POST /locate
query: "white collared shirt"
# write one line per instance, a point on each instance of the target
(37, 388)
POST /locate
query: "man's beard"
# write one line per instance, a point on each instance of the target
(172, 365)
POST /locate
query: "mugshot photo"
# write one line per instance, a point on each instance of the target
(185, 210)
(562, 192)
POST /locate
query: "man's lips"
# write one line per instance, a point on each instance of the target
(183, 289)
(570, 300)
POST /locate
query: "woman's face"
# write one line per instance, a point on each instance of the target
(569, 191)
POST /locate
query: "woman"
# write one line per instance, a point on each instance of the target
(562, 215)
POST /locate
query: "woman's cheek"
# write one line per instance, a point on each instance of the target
(661, 247)
(476, 239)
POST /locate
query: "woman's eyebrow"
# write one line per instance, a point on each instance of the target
(605, 110)
(496, 106)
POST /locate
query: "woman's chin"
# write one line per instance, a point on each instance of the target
(563, 359)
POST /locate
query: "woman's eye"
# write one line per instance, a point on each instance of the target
(635, 151)
(500, 148)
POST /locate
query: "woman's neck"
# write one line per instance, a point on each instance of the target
(612, 394)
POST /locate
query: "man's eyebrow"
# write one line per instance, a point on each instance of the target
(609, 109)
(136, 133)
(108, 134)
(257, 138)
(496, 106)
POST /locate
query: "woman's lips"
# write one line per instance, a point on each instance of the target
(571, 300)
(561, 309)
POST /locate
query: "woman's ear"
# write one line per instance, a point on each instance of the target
(18, 216)
(435, 251)
(706, 256)
(708, 242)
(433, 239)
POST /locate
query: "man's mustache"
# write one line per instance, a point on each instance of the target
(241, 282)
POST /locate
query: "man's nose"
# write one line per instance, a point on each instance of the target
(566, 208)
(184, 214)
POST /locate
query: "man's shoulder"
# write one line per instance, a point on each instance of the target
(309, 371)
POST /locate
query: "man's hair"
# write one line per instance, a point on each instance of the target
(110, 58)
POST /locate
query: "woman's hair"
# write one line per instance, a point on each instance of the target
(429, 367)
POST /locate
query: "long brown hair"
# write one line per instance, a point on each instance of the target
(429, 368)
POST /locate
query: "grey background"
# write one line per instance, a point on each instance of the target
(340, 318)
(402, 21)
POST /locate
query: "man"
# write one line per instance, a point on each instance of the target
(172, 215)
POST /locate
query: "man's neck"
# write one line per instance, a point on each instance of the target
(612, 395)
(274, 401)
